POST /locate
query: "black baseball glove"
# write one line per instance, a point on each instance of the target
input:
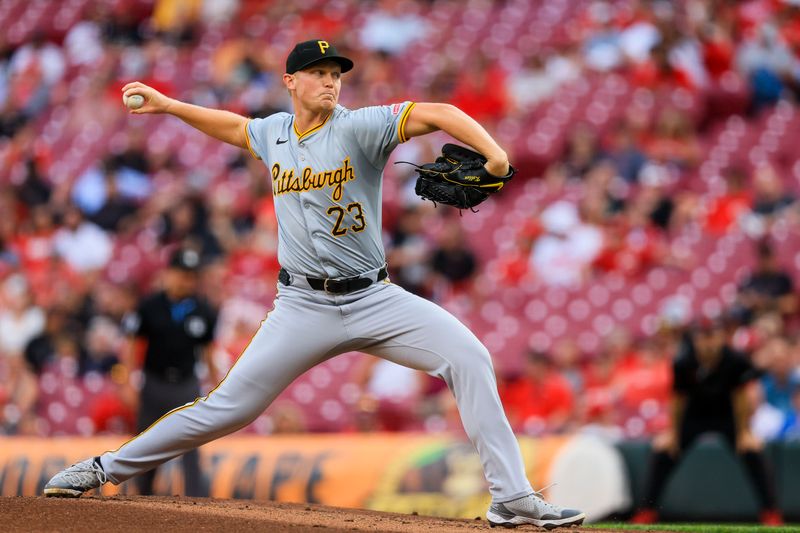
(458, 178)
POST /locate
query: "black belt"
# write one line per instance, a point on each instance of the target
(335, 286)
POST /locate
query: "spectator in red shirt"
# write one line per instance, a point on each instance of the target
(674, 141)
(717, 49)
(513, 265)
(658, 72)
(35, 242)
(541, 400)
(724, 212)
(630, 249)
(598, 404)
(480, 92)
(633, 242)
(645, 388)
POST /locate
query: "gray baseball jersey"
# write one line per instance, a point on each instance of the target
(326, 184)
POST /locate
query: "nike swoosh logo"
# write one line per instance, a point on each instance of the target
(281, 141)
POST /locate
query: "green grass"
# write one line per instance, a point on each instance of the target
(698, 528)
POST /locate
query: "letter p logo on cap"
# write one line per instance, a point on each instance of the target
(323, 45)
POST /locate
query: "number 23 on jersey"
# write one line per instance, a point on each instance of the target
(354, 211)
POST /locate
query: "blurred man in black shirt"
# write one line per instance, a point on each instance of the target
(709, 395)
(452, 260)
(767, 288)
(178, 327)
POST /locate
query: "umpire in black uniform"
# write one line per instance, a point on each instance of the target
(709, 395)
(178, 327)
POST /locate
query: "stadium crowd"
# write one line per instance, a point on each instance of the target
(93, 201)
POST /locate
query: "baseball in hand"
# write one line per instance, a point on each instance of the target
(134, 101)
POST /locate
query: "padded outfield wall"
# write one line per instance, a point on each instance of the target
(430, 475)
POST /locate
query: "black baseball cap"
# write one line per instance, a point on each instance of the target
(185, 259)
(307, 53)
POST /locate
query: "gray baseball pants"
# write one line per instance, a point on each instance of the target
(307, 327)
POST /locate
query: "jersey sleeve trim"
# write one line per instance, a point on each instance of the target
(401, 128)
(247, 139)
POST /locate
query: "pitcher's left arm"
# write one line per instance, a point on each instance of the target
(426, 118)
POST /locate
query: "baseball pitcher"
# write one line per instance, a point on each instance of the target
(326, 164)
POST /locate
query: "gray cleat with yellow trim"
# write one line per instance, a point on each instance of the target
(532, 509)
(77, 479)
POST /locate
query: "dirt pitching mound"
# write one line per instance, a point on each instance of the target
(178, 514)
